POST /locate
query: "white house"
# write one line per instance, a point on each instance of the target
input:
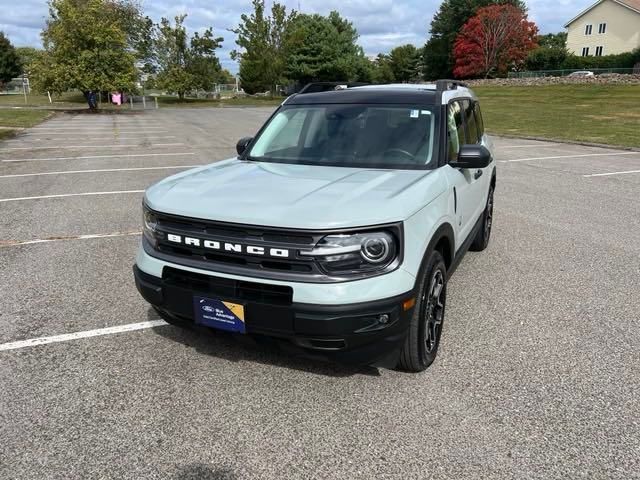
(606, 27)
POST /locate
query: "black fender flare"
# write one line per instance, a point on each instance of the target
(444, 231)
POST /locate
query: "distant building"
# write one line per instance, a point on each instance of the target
(605, 28)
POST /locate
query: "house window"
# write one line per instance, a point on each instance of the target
(588, 30)
(585, 51)
(602, 28)
(599, 51)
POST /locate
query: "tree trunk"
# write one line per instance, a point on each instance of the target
(180, 96)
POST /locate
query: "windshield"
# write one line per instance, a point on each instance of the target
(378, 136)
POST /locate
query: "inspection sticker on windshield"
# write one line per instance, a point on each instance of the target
(425, 112)
(219, 314)
(414, 113)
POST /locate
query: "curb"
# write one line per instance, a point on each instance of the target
(568, 142)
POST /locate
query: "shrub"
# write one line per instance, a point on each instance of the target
(545, 58)
(620, 60)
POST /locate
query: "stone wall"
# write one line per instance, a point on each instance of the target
(604, 79)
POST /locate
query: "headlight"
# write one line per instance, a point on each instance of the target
(355, 253)
(149, 224)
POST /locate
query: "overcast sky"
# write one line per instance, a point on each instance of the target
(382, 24)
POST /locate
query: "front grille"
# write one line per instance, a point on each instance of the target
(228, 288)
(266, 238)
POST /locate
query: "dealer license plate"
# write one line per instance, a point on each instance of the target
(219, 314)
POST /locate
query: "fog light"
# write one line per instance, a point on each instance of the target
(383, 319)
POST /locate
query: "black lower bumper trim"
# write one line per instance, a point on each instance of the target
(364, 333)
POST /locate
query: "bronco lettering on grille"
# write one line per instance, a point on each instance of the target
(227, 247)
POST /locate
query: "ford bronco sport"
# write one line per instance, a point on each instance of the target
(336, 228)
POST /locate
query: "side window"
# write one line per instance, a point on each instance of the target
(479, 121)
(472, 128)
(455, 129)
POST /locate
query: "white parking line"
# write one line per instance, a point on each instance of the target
(611, 173)
(68, 172)
(102, 131)
(614, 154)
(528, 146)
(95, 146)
(63, 195)
(89, 127)
(88, 124)
(89, 157)
(79, 335)
(15, 243)
(75, 136)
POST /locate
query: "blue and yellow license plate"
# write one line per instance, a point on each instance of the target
(219, 314)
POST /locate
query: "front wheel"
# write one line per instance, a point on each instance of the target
(484, 233)
(423, 339)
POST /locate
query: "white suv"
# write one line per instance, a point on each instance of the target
(335, 229)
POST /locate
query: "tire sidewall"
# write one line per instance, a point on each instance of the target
(413, 357)
(486, 216)
(436, 261)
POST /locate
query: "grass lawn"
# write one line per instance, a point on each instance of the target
(589, 113)
(66, 100)
(20, 119)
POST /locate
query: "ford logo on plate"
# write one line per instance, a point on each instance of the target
(208, 308)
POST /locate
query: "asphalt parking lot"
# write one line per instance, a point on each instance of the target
(537, 375)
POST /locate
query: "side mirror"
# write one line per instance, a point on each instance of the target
(242, 144)
(472, 156)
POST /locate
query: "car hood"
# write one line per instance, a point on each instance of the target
(295, 196)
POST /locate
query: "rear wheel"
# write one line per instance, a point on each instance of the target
(423, 339)
(484, 233)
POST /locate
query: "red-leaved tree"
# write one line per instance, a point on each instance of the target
(496, 39)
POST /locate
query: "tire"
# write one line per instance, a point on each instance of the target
(484, 233)
(425, 329)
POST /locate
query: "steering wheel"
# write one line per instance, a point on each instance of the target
(400, 151)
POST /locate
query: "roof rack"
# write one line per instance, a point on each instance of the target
(443, 85)
(316, 87)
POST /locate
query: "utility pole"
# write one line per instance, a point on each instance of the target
(24, 88)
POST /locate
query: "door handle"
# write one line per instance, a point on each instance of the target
(478, 174)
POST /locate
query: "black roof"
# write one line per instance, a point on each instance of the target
(410, 95)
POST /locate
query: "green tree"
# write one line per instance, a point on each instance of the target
(171, 50)
(184, 65)
(225, 76)
(10, 65)
(551, 52)
(404, 61)
(383, 73)
(28, 56)
(138, 29)
(324, 49)
(438, 58)
(202, 61)
(261, 52)
(553, 40)
(86, 48)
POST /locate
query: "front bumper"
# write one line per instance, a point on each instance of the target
(350, 333)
